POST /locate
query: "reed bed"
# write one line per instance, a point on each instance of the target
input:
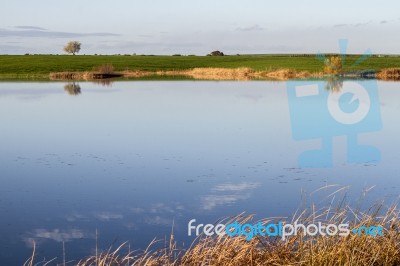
(389, 74)
(82, 75)
(350, 250)
(242, 73)
(195, 73)
(212, 73)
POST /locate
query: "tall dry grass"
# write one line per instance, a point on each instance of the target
(104, 69)
(351, 250)
(389, 74)
(101, 72)
(205, 73)
(243, 73)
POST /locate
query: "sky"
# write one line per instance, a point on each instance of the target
(199, 27)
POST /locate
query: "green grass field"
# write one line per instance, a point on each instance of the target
(42, 65)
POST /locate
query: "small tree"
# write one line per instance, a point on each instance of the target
(72, 47)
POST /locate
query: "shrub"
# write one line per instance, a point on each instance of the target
(105, 69)
(333, 65)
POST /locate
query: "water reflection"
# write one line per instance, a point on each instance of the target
(334, 84)
(104, 82)
(72, 88)
(160, 158)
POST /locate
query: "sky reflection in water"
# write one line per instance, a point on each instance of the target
(131, 158)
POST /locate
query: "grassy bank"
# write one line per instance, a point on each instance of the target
(31, 66)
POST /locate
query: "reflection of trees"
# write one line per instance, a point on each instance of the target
(72, 88)
(334, 84)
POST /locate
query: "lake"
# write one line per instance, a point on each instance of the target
(86, 162)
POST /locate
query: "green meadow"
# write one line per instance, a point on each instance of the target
(31, 66)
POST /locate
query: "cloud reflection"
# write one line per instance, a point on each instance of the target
(236, 192)
(236, 187)
(107, 216)
(58, 235)
(209, 202)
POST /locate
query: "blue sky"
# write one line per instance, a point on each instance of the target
(198, 27)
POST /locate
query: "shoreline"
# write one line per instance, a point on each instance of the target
(229, 67)
(229, 74)
(195, 73)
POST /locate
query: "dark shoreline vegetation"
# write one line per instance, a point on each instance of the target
(235, 67)
(355, 249)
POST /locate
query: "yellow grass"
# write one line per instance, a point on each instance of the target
(351, 250)
(195, 73)
(389, 74)
(240, 74)
(81, 75)
(333, 65)
(215, 73)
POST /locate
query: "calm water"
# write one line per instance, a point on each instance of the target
(135, 157)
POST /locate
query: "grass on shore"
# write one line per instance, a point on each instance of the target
(389, 74)
(350, 250)
(195, 73)
(39, 65)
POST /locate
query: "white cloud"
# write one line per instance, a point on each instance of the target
(255, 27)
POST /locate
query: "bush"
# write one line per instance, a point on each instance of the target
(105, 69)
(333, 65)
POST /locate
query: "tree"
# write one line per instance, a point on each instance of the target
(216, 53)
(72, 47)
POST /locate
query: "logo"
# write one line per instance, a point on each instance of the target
(322, 110)
(368, 230)
(282, 230)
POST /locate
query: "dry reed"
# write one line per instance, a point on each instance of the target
(389, 74)
(351, 250)
(195, 73)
